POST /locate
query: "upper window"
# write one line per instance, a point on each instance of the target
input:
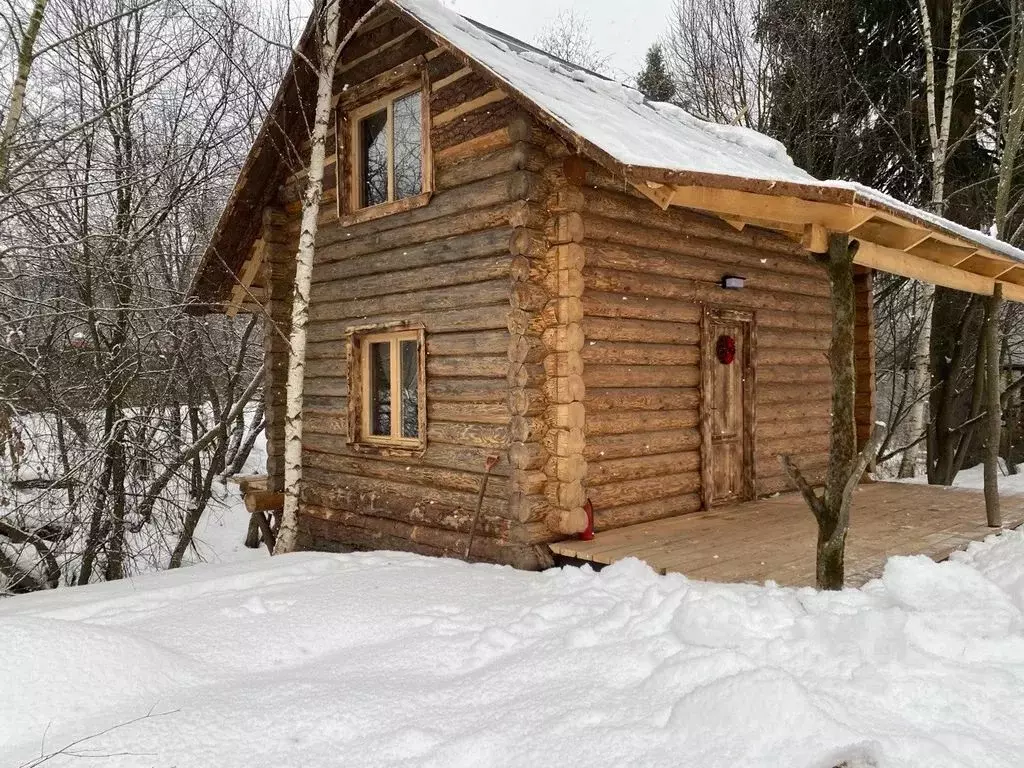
(392, 404)
(388, 160)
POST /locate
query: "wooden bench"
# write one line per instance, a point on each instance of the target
(265, 508)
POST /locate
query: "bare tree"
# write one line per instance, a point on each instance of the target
(121, 412)
(721, 70)
(568, 37)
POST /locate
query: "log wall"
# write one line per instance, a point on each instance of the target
(648, 275)
(450, 265)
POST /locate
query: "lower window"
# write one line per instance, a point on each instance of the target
(392, 404)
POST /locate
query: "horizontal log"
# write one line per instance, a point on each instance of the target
(767, 318)
(437, 455)
(796, 428)
(429, 299)
(656, 286)
(791, 338)
(626, 492)
(461, 390)
(445, 250)
(491, 436)
(602, 376)
(650, 331)
(348, 245)
(774, 393)
(476, 413)
(519, 157)
(260, 501)
(403, 520)
(377, 496)
(706, 261)
(638, 353)
(622, 422)
(478, 270)
(646, 511)
(482, 318)
(325, 421)
(790, 374)
(467, 479)
(769, 450)
(620, 304)
(619, 470)
(424, 540)
(805, 462)
(483, 366)
(791, 357)
(327, 386)
(601, 447)
(642, 398)
(476, 343)
(473, 147)
(797, 410)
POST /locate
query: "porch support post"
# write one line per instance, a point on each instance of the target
(831, 508)
(993, 406)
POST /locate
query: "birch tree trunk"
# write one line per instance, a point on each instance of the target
(938, 133)
(288, 535)
(16, 105)
(920, 379)
(995, 414)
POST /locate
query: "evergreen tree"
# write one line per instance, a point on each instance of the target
(654, 81)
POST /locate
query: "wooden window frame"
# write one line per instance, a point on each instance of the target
(352, 109)
(360, 433)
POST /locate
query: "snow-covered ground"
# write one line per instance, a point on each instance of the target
(392, 659)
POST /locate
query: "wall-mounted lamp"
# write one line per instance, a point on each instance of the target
(733, 282)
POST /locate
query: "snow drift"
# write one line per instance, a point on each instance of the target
(392, 659)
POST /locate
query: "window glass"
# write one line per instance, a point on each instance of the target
(380, 389)
(410, 388)
(373, 144)
(408, 146)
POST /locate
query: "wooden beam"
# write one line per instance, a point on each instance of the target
(815, 238)
(777, 212)
(659, 194)
(942, 252)
(468, 106)
(240, 292)
(891, 234)
(347, 65)
(453, 77)
(912, 266)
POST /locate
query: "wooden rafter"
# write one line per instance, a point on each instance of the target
(908, 265)
(787, 212)
(242, 293)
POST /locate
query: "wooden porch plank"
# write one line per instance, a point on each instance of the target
(774, 538)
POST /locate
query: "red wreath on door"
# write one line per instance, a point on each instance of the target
(725, 349)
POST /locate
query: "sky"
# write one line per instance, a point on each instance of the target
(622, 30)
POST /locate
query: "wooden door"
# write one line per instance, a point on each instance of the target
(727, 416)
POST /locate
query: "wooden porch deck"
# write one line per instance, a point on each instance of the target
(774, 538)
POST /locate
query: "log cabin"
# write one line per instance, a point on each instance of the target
(521, 259)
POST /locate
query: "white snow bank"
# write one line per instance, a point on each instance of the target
(387, 659)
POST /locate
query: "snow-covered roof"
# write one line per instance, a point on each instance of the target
(642, 135)
(613, 116)
(652, 144)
